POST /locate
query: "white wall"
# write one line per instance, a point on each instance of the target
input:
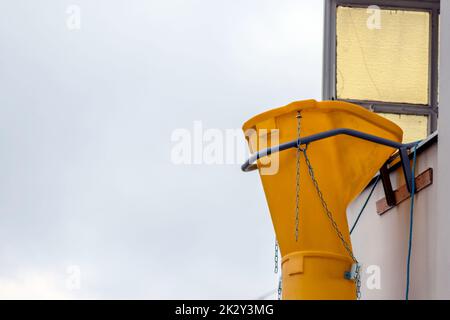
(383, 240)
(442, 285)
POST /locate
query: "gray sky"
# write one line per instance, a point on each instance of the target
(86, 118)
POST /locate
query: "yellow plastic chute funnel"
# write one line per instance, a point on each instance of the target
(313, 267)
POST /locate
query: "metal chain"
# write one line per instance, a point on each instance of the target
(276, 256)
(325, 207)
(280, 288)
(297, 200)
(333, 223)
(358, 281)
(277, 250)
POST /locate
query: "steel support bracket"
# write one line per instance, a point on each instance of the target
(387, 185)
(386, 179)
(250, 164)
(406, 165)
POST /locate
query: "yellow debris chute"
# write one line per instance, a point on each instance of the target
(315, 258)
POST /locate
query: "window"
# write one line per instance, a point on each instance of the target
(383, 55)
(368, 60)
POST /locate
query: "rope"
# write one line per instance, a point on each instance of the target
(365, 203)
(411, 221)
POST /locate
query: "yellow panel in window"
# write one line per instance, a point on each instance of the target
(414, 127)
(382, 55)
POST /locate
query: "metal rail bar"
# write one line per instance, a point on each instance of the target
(250, 165)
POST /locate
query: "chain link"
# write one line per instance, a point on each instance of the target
(276, 256)
(358, 281)
(297, 193)
(325, 207)
(280, 288)
(333, 223)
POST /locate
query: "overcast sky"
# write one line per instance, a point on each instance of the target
(86, 118)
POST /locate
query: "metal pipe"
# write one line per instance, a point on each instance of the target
(249, 165)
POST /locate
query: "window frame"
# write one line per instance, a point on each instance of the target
(329, 58)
